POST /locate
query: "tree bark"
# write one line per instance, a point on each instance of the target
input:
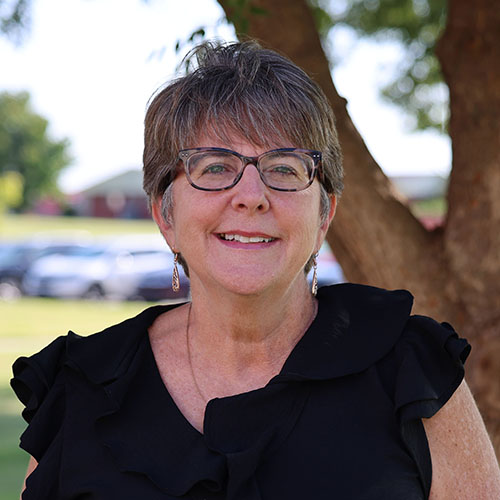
(469, 53)
(454, 271)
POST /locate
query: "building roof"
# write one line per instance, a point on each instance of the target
(128, 183)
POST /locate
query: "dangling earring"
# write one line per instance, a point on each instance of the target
(176, 285)
(314, 286)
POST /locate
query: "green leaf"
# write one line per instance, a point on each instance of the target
(414, 24)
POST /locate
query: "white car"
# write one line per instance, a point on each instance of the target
(113, 272)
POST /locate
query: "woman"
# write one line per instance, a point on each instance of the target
(257, 388)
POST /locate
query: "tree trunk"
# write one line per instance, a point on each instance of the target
(469, 53)
(453, 272)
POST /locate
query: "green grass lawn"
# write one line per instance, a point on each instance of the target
(26, 325)
(17, 226)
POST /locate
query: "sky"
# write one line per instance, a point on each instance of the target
(91, 66)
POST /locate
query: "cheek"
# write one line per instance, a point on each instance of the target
(305, 225)
(310, 212)
(193, 217)
(314, 226)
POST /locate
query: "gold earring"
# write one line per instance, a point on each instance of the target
(314, 286)
(176, 285)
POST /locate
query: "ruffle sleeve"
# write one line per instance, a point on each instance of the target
(64, 389)
(428, 366)
(420, 375)
(34, 376)
(37, 384)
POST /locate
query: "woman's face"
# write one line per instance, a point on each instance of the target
(211, 229)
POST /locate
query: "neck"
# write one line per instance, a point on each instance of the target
(245, 330)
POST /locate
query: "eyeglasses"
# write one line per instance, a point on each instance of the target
(217, 169)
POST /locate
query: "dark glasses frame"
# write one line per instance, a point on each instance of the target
(185, 155)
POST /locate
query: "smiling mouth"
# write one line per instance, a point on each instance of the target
(244, 239)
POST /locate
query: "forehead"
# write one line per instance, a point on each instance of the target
(238, 143)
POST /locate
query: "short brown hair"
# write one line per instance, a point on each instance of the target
(242, 89)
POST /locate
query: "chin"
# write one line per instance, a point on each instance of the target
(263, 284)
(236, 282)
(247, 287)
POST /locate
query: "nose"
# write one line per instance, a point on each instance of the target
(250, 193)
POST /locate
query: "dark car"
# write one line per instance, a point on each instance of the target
(156, 286)
(17, 258)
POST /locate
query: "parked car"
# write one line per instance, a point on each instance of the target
(111, 271)
(16, 258)
(157, 286)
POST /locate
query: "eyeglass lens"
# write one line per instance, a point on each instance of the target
(282, 170)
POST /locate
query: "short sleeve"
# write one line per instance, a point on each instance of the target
(38, 385)
(425, 367)
(420, 374)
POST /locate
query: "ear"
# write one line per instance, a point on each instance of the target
(165, 226)
(331, 213)
(326, 224)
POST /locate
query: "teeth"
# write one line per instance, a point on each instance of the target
(245, 239)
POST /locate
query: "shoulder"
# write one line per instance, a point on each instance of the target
(74, 373)
(99, 357)
(365, 313)
(358, 327)
(360, 324)
(419, 360)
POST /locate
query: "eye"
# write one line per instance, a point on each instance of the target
(282, 170)
(216, 168)
(210, 165)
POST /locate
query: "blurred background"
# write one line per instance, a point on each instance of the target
(77, 247)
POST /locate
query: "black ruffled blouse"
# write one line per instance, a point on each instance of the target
(342, 420)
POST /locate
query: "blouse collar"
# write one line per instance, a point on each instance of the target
(356, 325)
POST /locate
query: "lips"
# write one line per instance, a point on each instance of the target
(245, 239)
